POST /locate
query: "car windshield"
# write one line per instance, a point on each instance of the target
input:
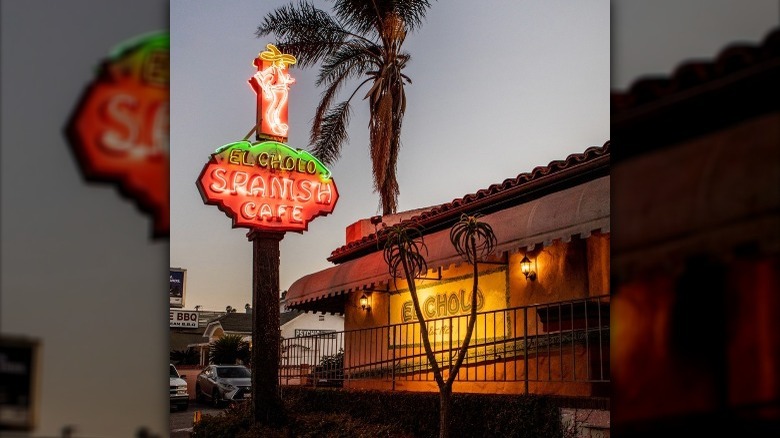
(233, 372)
(173, 372)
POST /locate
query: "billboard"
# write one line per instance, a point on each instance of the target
(178, 282)
(18, 383)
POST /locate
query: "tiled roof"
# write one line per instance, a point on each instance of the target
(242, 322)
(699, 97)
(206, 316)
(288, 316)
(559, 174)
(179, 340)
(235, 322)
(734, 59)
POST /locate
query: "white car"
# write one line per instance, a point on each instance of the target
(180, 398)
(224, 383)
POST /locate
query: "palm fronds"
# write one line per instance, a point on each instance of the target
(472, 238)
(403, 251)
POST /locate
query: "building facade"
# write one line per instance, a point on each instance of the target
(696, 251)
(545, 332)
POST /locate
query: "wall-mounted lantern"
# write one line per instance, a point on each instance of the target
(525, 268)
(364, 303)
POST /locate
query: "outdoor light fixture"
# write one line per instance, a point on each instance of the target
(364, 303)
(525, 268)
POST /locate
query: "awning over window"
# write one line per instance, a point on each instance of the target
(576, 211)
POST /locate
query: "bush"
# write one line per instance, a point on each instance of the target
(346, 413)
(189, 356)
(234, 420)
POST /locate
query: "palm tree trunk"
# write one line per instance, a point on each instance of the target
(445, 406)
(471, 321)
(437, 375)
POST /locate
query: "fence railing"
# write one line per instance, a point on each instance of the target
(565, 341)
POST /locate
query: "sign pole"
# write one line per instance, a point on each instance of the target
(266, 402)
(270, 188)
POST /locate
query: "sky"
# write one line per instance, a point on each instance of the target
(497, 90)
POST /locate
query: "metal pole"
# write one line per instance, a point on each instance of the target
(266, 402)
(525, 346)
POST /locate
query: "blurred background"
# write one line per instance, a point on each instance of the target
(695, 129)
(83, 276)
(695, 258)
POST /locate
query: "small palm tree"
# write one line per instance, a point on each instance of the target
(403, 253)
(362, 40)
(229, 350)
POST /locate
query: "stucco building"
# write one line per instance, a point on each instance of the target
(547, 332)
(696, 247)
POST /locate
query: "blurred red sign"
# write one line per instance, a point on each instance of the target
(120, 130)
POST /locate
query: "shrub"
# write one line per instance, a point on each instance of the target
(332, 413)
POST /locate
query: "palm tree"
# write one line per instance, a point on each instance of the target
(229, 350)
(403, 253)
(361, 41)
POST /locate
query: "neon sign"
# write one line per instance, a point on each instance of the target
(119, 131)
(267, 186)
(272, 82)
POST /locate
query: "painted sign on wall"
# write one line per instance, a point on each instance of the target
(449, 302)
(267, 186)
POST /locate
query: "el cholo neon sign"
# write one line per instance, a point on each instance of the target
(119, 130)
(268, 185)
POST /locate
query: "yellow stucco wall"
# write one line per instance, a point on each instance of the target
(565, 271)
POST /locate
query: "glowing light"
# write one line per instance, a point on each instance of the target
(267, 186)
(272, 82)
(120, 130)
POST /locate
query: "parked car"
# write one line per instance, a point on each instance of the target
(223, 384)
(322, 376)
(180, 398)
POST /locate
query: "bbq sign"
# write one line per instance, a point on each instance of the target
(267, 186)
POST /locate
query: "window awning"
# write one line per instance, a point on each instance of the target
(576, 211)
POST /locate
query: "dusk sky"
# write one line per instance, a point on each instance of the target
(497, 90)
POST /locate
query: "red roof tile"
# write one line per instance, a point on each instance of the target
(591, 163)
(734, 59)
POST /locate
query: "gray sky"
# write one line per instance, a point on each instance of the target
(497, 90)
(651, 38)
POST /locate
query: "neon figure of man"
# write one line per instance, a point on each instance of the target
(275, 84)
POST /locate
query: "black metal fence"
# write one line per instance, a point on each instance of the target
(565, 341)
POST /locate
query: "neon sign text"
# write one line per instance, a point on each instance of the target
(267, 185)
